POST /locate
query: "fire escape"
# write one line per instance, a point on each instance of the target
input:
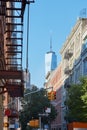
(11, 74)
(68, 54)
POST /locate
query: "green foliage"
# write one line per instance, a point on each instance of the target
(33, 104)
(84, 84)
(76, 101)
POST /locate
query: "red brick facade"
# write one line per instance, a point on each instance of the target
(56, 82)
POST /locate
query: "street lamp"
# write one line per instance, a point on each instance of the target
(41, 115)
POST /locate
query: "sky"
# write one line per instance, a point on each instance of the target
(48, 19)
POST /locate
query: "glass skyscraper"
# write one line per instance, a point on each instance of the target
(50, 61)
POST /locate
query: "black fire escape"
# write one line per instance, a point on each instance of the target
(12, 11)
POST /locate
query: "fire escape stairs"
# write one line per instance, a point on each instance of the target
(13, 74)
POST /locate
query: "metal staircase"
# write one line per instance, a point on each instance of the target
(14, 31)
(12, 11)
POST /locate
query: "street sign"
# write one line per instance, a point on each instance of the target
(44, 114)
(46, 126)
(48, 110)
(12, 126)
(16, 125)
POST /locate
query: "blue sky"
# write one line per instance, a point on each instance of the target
(46, 16)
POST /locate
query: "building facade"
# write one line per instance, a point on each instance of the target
(11, 73)
(54, 82)
(73, 52)
(73, 65)
(74, 56)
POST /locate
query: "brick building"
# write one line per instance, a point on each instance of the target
(55, 80)
(11, 56)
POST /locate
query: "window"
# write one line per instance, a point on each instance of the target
(85, 43)
(85, 66)
(77, 74)
(71, 80)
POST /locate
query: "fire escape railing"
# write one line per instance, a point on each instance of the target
(11, 11)
(14, 27)
(11, 46)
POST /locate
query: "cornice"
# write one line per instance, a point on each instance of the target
(74, 29)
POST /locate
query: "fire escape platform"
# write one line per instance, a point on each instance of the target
(12, 74)
(7, 74)
(15, 90)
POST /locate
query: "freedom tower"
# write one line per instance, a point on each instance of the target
(50, 60)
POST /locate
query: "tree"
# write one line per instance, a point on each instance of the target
(33, 104)
(76, 101)
(84, 84)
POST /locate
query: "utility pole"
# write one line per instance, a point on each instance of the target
(41, 115)
(40, 122)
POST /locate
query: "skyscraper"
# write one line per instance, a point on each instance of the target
(50, 60)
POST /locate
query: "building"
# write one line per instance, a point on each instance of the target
(74, 56)
(50, 60)
(2, 66)
(54, 82)
(73, 64)
(11, 59)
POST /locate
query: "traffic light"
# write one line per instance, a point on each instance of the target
(31, 123)
(6, 124)
(49, 95)
(34, 123)
(54, 94)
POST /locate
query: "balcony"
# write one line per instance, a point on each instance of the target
(68, 54)
(66, 85)
(67, 70)
(11, 46)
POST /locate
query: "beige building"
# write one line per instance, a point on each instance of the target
(74, 56)
(73, 65)
(72, 50)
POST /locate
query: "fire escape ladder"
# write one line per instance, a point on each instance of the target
(14, 45)
(14, 37)
(11, 11)
(2, 7)
(2, 27)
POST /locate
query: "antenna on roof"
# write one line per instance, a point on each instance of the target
(51, 41)
(83, 13)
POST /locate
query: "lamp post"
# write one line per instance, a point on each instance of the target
(40, 122)
(41, 115)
